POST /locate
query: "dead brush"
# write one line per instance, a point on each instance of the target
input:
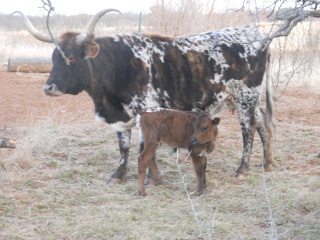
(63, 190)
(41, 146)
(33, 142)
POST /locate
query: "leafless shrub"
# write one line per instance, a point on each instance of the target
(178, 18)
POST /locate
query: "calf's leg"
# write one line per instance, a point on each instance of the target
(200, 164)
(149, 178)
(144, 161)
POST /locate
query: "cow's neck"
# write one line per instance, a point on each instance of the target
(108, 106)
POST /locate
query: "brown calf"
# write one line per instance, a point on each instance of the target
(195, 131)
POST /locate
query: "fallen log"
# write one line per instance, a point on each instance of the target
(30, 64)
(6, 143)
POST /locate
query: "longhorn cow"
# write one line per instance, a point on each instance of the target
(124, 74)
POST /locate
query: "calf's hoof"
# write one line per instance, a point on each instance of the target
(147, 181)
(151, 181)
(259, 167)
(142, 193)
(267, 167)
(114, 180)
(154, 182)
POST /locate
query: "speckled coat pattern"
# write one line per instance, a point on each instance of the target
(208, 72)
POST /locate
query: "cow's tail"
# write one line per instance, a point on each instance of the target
(269, 97)
(269, 115)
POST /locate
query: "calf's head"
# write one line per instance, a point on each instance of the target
(204, 129)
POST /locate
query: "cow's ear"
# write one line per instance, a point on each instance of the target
(92, 49)
(215, 121)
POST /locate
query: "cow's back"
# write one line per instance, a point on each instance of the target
(194, 73)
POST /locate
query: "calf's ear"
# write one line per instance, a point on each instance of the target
(215, 121)
(92, 49)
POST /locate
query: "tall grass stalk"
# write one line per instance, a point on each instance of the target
(200, 223)
(273, 235)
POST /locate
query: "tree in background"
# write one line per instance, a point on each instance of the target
(185, 17)
(295, 57)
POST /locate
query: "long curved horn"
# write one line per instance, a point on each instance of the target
(33, 31)
(92, 24)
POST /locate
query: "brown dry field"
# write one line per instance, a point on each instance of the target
(23, 104)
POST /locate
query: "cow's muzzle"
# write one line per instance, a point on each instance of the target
(52, 90)
(194, 140)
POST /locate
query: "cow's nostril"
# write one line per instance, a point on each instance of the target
(52, 90)
(48, 87)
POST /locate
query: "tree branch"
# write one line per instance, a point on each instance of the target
(50, 9)
(291, 18)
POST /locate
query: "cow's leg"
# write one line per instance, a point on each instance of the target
(246, 114)
(124, 139)
(265, 138)
(200, 164)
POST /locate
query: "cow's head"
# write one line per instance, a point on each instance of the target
(74, 77)
(70, 73)
(204, 129)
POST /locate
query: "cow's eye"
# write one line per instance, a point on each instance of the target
(204, 129)
(71, 58)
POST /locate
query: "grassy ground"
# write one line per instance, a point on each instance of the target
(53, 187)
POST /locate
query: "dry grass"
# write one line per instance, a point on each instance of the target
(53, 187)
(21, 44)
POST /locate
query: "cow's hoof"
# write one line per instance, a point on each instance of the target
(202, 192)
(240, 176)
(114, 180)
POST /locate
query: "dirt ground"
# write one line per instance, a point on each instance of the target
(40, 190)
(23, 103)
